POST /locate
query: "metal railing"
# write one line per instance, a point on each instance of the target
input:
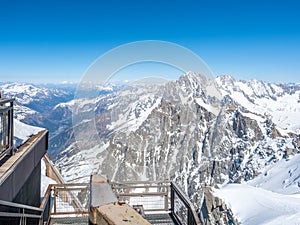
(47, 204)
(154, 196)
(71, 199)
(158, 197)
(183, 211)
(59, 200)
(14, 213)
(6, 127)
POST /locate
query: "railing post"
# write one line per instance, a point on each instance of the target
(54, 200)
(172, 198)
(167, 199)
(190, 217)
(11, 132)
(41, 220)
(4, 130)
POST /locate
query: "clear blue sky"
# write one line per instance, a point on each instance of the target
(56, 40)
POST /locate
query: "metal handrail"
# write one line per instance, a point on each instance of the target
(26, 215)
(46, 204)
(6, 100)
(17, 205)
(44, 212)
(192, 217)
(141, 182)
(22, 207)
(169, 191)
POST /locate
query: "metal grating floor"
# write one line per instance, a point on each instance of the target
(70, 220)
(160, 219)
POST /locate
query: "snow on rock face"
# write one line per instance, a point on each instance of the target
(252, 205)
(135, 114)
(21, 112)
(281, 102)
(23, 131)
(158, 126)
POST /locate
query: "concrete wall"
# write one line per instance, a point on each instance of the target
(20, 175)
(31, 191)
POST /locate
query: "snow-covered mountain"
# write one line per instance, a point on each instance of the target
(179, 131)
(238, 124)
(36, 97)
(35, 105)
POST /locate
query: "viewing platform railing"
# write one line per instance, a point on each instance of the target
(73, 200)
(60, 200)
(6, 127)
(158, 197)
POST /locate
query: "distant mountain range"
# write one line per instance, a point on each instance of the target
(172, 131)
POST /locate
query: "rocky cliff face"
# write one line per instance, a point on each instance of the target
(214, 211)
(179, 131)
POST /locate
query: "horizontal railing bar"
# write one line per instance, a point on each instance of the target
(6, 100)
(136, 186)
(6, 109)
(71, 189)
(17, 205)
(140, 182)
(4, 152)
(71, 184)
(68, 213)
(142, 194)
(155, 210)
(7, 214)
(3, 147)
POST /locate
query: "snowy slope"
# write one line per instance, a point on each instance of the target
(273, 197)
(252, 205)
(135, 114)
(23, 131)
(87, 163)
(282, 177)
(45, 181)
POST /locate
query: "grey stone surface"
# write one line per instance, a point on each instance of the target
(102, 194)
